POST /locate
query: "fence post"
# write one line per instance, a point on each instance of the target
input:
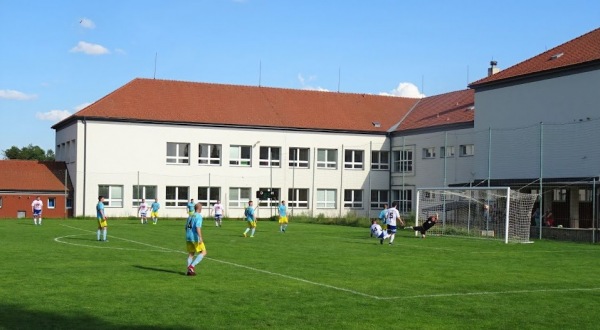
(541, 195)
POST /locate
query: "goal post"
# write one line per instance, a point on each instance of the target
(485, 212)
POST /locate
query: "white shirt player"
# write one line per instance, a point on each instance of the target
(218, 208)
(392, 216)
(143, 208)
(378, 232)
(37, 205)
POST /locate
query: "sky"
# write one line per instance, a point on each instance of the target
(59, 56)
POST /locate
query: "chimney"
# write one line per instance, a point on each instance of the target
(493, 68)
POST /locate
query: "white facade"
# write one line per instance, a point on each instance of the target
(117, 158)
(558, 112)
(436, 159)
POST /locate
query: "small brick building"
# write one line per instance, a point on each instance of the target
(22, 181)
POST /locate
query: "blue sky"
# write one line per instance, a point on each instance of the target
(59, 56)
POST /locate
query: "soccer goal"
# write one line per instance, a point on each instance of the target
(485, 212)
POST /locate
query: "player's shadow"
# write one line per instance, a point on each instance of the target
(15, 317)
(159, 270)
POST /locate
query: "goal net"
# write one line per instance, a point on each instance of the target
(486, 212)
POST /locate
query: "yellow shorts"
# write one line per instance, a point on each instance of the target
(195, 247)
(154, 214)
(283, 220)
(102, 223)
(190, 213)
(251, 224)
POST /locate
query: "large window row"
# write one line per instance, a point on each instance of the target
(272, 156)
(238, 197)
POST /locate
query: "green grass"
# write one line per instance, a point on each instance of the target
(57, 276)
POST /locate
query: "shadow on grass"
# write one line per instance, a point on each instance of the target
(13, 317)
(159, 270)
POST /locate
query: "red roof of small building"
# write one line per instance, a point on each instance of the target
(219, 104)
(444, 109)
(578, 51)
(32, 175)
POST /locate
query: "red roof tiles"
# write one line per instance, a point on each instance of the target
(31, 175)
(218, 104)
(578, 51)
(450, 108)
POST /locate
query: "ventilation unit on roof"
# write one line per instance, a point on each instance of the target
(555, 56)
(376, 124)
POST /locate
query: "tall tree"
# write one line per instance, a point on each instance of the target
(30, 152)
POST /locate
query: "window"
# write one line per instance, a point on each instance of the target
(240, 155)
(299, 157)
(560, 195)
(298, 197)
(270, 156)
(379, 198)
(275, 197)
(585, 195)
(429, 195)
(380, 160)
(403, 161)
(113, 195)
(209, 195)
(177, 196)
(403, 197)
(69, 203)
(327, 158)
(447, 152)
(0, 202)
(143, 192)
(178, 153)
(326, 198)
(353, 198)
(353, 159)
(209, 154)
(429, 152)
(466, 150)
(51, 202)
(239, 197)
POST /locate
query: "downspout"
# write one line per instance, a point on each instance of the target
(84, 163)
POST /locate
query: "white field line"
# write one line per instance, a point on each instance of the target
(439, 295)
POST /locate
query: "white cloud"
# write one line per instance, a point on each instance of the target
(405, 89)
(303, 81)
(87, 23)
(9, 94)
(53, 115)
(89, 49)
(81, 106)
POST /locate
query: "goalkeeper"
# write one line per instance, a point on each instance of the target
(430, 222)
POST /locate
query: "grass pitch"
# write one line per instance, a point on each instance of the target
(57, 276)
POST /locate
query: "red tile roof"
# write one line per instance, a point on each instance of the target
(219, 104)
(578, 51)
(31, 175)
(450, 108)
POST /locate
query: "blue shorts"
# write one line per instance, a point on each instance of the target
(218, 216)
(37, 212)
(391, 229)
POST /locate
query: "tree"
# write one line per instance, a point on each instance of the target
(30, 152)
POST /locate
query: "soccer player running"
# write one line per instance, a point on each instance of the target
(283, 220)
(218, 209)
(154, 211)
(430, 222)
(36, 210)
(102, 224)
(250, 220)
(378, 232)
(392, 216)
(194, 242)
(143, 211)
